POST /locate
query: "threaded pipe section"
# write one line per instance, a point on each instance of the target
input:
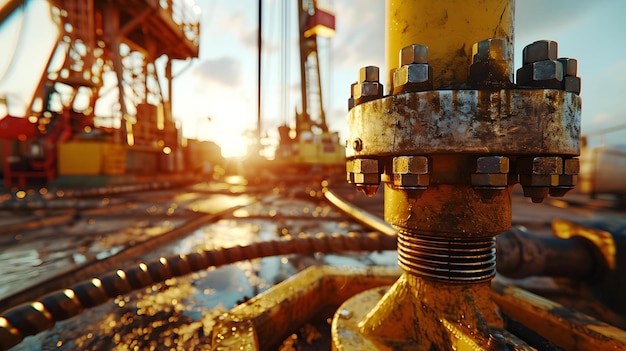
(451, 260)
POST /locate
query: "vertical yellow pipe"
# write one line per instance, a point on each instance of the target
(449, 28)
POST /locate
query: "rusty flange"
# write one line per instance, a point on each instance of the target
(485, 122)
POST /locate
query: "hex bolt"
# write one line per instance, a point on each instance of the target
(541, 165)
(362, 171)
(570, 66)
(364, 174)
(539, 174)
(492, 164)
(414, 73)
(567, 180)
(368, 87)
(411, 172)
(571, 82)
(545, 74)
(412, 78)
(351, 99)
(571, 166)
(365, 171)
(415, 53)
(491, 172)
(369, 74)
(540, 50)
(489, 62)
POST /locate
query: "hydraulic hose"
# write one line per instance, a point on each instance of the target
(33, 318)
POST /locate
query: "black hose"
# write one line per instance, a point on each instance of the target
(33, 318)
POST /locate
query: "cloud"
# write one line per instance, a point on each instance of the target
(241, 21)
(360, 33)
(223, 71)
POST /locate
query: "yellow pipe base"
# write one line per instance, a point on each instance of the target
(418, 314)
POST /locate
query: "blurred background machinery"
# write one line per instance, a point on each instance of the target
(130, 45)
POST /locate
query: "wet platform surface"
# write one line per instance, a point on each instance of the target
(178, 313)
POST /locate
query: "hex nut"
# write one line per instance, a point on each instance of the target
(367, 91)
(362, 171)
(369, 74)
(412, 78)
(568, 180)
(349, 166)
(491, 172)
(489, 62)
(571, 166)
(545, 74)
(572, 84)
(366, 178)
(540, 50)
(539, 180)
(411, 181)
(351, 98)
(410, 165)
(570, 66)
(541, 165)
(410, 172)
(492, 164)
(542, 171)
(365, 165)
(547, 165)
(415, 53)
(352, 88)
(493, 180)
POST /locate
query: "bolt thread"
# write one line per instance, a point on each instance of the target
(451, 260)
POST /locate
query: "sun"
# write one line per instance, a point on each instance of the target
(232, 145)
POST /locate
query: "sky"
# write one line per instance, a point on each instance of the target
(214, 95)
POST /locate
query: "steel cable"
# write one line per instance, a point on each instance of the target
(33, 318)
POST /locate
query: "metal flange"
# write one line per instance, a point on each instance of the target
(480, 122)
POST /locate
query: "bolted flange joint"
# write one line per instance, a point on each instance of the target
(457, 150)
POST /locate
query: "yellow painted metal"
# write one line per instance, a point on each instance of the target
(566, 328)
(418, 313)
(449, 29)
(91, 158)
(271, 316)
(601, 239)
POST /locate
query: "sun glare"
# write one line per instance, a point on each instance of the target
(233, 145)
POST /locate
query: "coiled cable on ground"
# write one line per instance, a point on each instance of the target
(33, 318)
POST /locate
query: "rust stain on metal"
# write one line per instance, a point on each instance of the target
(272, 315)
(566, 328)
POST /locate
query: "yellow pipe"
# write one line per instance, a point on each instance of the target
(449, 28)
